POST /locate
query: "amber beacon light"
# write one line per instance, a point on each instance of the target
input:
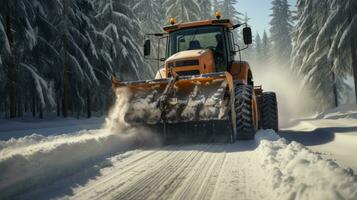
(172, 21)
(218, 15)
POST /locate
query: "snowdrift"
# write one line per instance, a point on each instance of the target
(344, 111)
(36, 160)
(292, 171)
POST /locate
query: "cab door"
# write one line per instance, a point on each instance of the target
(229, 48)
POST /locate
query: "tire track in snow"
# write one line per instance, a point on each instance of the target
(196, 179)
(210, 181)
(165, 173)
(178, 172)
(103, 181)
(230, 171)
(113, 182)
(171, 189)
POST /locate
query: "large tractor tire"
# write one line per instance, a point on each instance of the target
(245, 112)
(269, 117)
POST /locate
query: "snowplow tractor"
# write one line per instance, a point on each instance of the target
(201, 93)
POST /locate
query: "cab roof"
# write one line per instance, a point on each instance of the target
(213, 22)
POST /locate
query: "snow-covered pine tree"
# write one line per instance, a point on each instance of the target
(151, 16)
(303, 58)
(322, 67)
(317, 54)
(148, 13)
(342, 24)
(280, 31)
(183, 10)
(5, 51)
(229, 11)
(162, 10)
(266, 47)
(206, 9)
(22, 38)
(216, 5)
(258, 47)
(58, 41)
(127, 54)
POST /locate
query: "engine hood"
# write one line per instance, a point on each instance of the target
(191, 62)
(189, 54)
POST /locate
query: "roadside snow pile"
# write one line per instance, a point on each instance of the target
(344, 111)
(35, 161)
(291, 171)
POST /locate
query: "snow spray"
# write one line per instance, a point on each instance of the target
(116, 124)
(293, 101)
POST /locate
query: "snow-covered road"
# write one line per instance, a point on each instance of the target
(100, 165)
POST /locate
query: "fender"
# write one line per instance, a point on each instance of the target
(240, 70)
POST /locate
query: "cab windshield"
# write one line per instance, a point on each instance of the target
(208, 37)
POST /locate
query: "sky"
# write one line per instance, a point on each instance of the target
(258, 11)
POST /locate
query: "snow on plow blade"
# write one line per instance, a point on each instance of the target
(180, 105)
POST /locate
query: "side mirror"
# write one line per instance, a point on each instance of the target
(147, 47)
(247, 35)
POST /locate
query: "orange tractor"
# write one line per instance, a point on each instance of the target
(201, 92)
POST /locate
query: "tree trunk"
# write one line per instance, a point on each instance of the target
(353, 52)
(5, 108)
(335, 93)
(354, 63)
(65, 66)
(20, 107)
(64, 104)
(89, 104)
(26, 107)
(58, 102)
(33, 109)
(78, 112)
(12, 70)
(41, 111)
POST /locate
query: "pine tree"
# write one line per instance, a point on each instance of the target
(304, 55)
(216, 5)
(230, 12)
(148, 13)
(66, 51)
(206, 9)
(127, 39)
(266, 47)
(258, 49)
(281, 28)
(318, 54)
(183, 10)
(341, 23)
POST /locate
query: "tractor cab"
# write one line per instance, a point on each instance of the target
(200, 47)
(215, 39)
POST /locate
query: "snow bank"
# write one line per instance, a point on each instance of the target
(35, 161)
(344, 111)
(291, 171)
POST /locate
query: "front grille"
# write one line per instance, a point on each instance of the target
(188, 73)
(184, 63)
(170, 65)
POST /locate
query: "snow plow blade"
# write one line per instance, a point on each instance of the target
(182, 108)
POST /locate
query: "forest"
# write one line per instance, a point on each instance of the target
(58, 56)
